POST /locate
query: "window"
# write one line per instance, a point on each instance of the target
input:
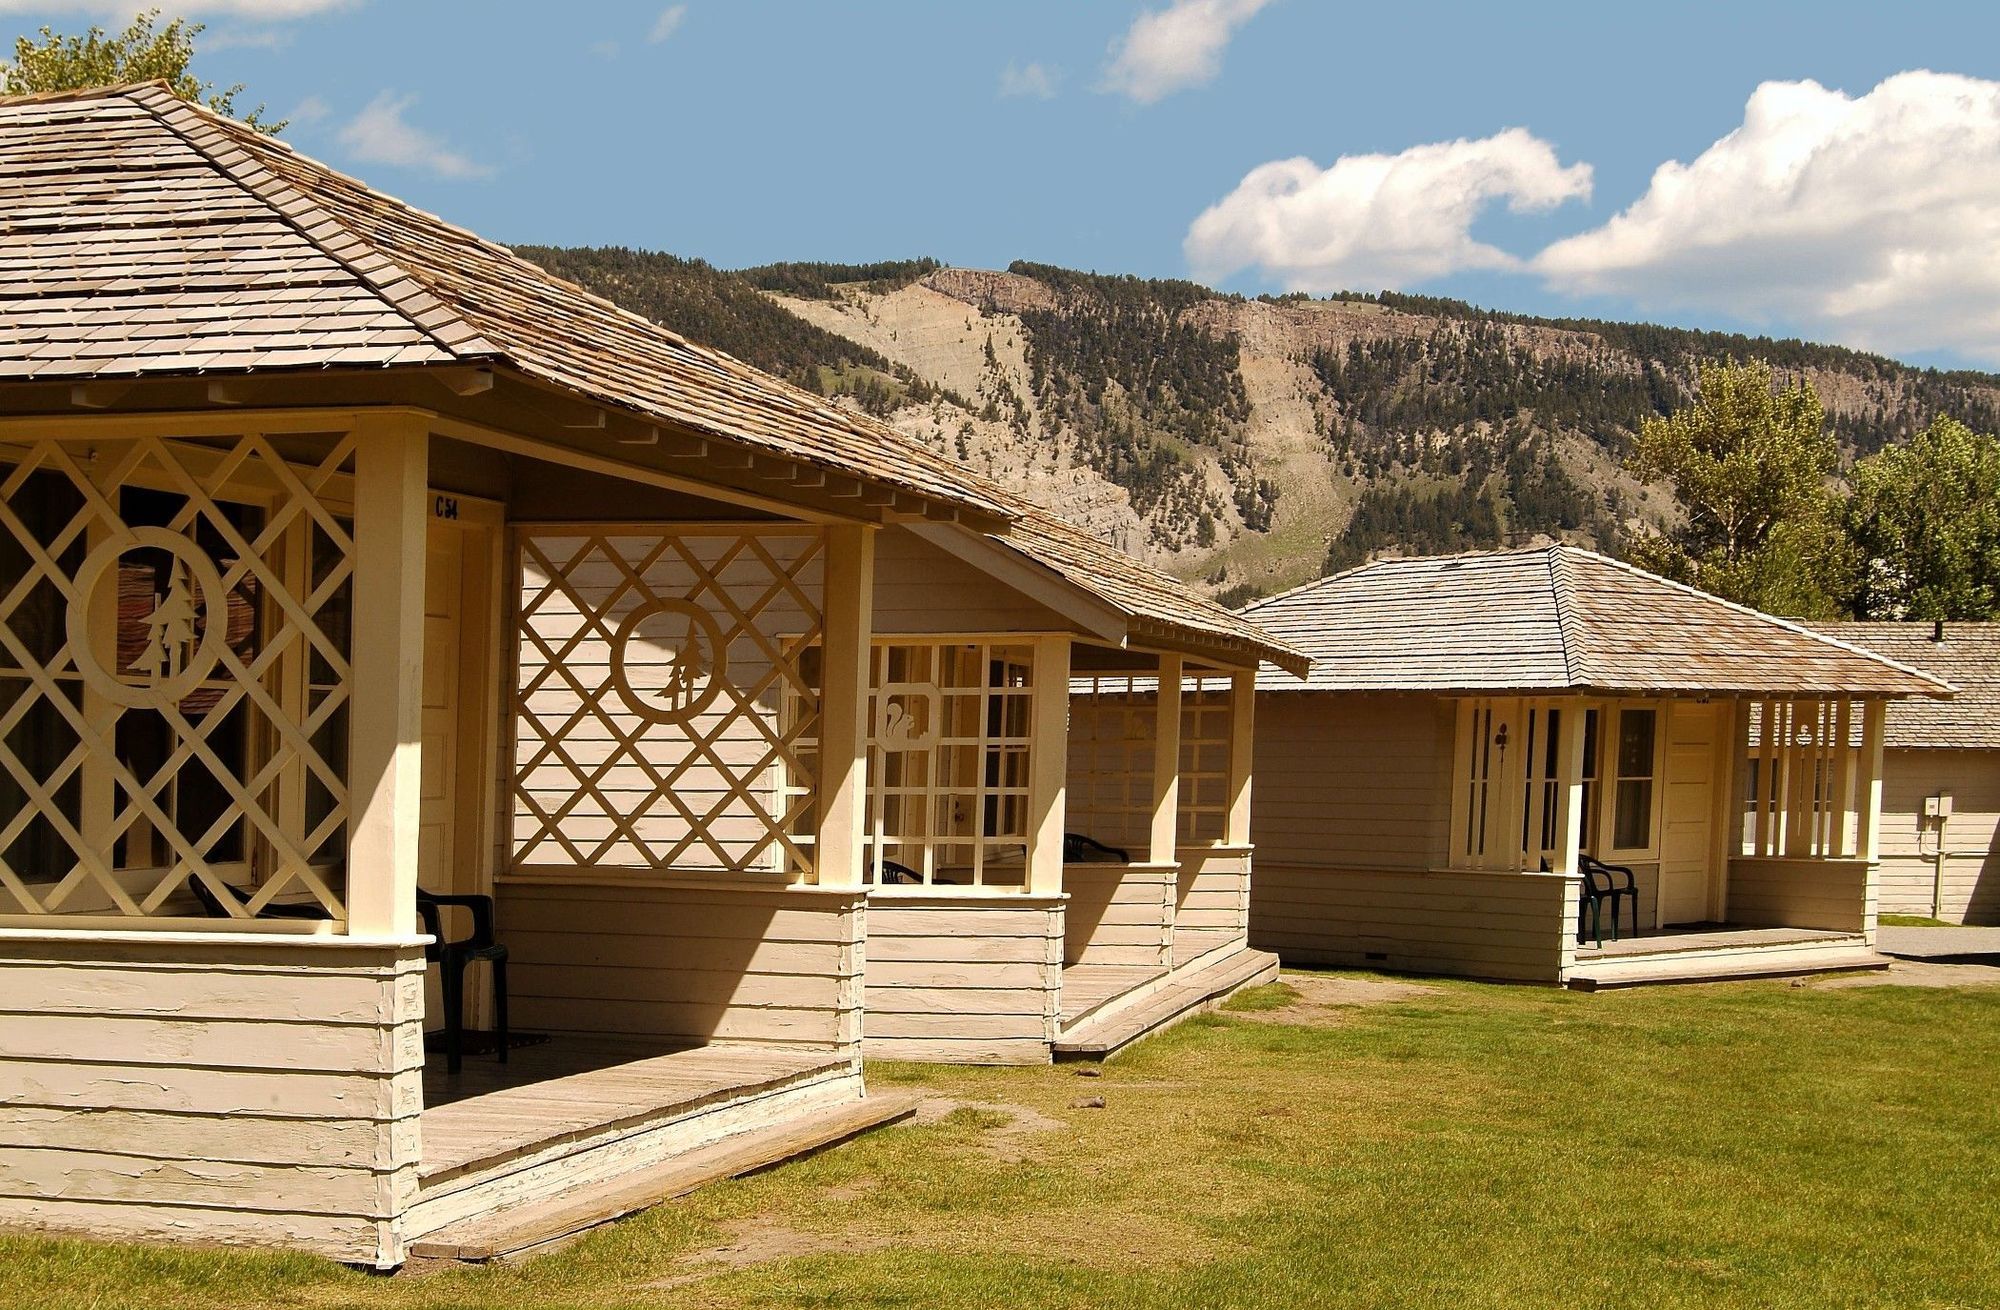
(948, 763)
(1632, 805)
(1592, 725)
(1483, 749)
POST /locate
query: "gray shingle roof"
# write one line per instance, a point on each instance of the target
(141, 235)
(1552, 619)
(1968, 658)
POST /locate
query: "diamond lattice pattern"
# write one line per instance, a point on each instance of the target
(654, 671)
(173, 677)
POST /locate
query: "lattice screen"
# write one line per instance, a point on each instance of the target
(173, 678)
(948, 756)
(1110, 779)
(1204, 790)
(654, 671)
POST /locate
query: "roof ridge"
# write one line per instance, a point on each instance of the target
(1562, 587)
(1384, 560)
(111, 92)
(1788, 624)
(417, 302)
(859, 424)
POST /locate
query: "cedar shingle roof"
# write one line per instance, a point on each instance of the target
(1149, 596)
(1555, 619)
(141, 235)
(1968, 658)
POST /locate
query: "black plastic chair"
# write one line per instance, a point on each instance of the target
(212, 905)
(452, 957)
(1079, 849)
(1604, 884)
(894, 874)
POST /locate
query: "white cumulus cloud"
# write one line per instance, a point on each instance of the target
(380, 134)
(1172, 49)
(1371, 221)
(1029, 81)
(668, 23)
(1874, 219)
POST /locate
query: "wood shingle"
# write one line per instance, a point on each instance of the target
(144, 236)
(1557, 619)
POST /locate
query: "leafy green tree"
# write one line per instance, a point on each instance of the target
(143, 52)
(1749, 466)
(1925, 518)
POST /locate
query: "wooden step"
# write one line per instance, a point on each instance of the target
(1104, 1034)
(531, 1229)
(1695, 967)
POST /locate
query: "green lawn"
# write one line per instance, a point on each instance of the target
(1755, 1145)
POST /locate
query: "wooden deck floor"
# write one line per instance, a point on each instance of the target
(1703, 937)
(568, 1087)
(1085, 987)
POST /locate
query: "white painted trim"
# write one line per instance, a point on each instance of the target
(1092, 616)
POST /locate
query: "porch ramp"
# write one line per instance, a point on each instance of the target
(1108, 1007)
(1722, 955)
(523, 1155)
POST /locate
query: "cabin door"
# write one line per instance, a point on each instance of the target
(460, 710)
(1686, 837)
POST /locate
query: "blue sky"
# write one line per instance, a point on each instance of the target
(1097, 135)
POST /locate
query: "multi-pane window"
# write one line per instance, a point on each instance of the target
(949, 750)
(1633, 784)
(1509, 781)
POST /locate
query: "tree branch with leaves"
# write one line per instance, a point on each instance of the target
(1750, 467)
(143, 52)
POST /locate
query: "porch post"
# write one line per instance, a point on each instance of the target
(1048, 765)
(839, 848)
(1166, 763)
(1569, 789)
(1242, 738)
(385, 716)
(1869, 829)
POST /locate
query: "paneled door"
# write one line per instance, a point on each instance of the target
(1686, 835)
(461, 680)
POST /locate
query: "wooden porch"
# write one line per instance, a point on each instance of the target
(540, 1141)
(1719, 952)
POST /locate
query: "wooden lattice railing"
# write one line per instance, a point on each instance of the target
(173, 677)
(654, 670)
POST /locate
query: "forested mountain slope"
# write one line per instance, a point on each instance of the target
(1251, 443)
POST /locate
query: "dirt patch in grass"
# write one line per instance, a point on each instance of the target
(1319, 1001)
(759, 1240)
(1010, 1129)
(1915, 973)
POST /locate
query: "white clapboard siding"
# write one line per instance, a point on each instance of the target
(775, 965)
(1119, 914)
(922, 589)
(953, 978)
(1354, 781)
(1802, 893)
(1212, 901)
(246, 1091)
(1473, 924)
(1971, 836)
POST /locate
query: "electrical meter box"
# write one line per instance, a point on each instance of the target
(1938, 806)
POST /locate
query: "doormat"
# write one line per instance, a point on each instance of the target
(481, 1041)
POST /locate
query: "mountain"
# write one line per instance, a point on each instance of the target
(1250, 444)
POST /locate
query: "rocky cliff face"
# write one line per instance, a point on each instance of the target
(1245, 444)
